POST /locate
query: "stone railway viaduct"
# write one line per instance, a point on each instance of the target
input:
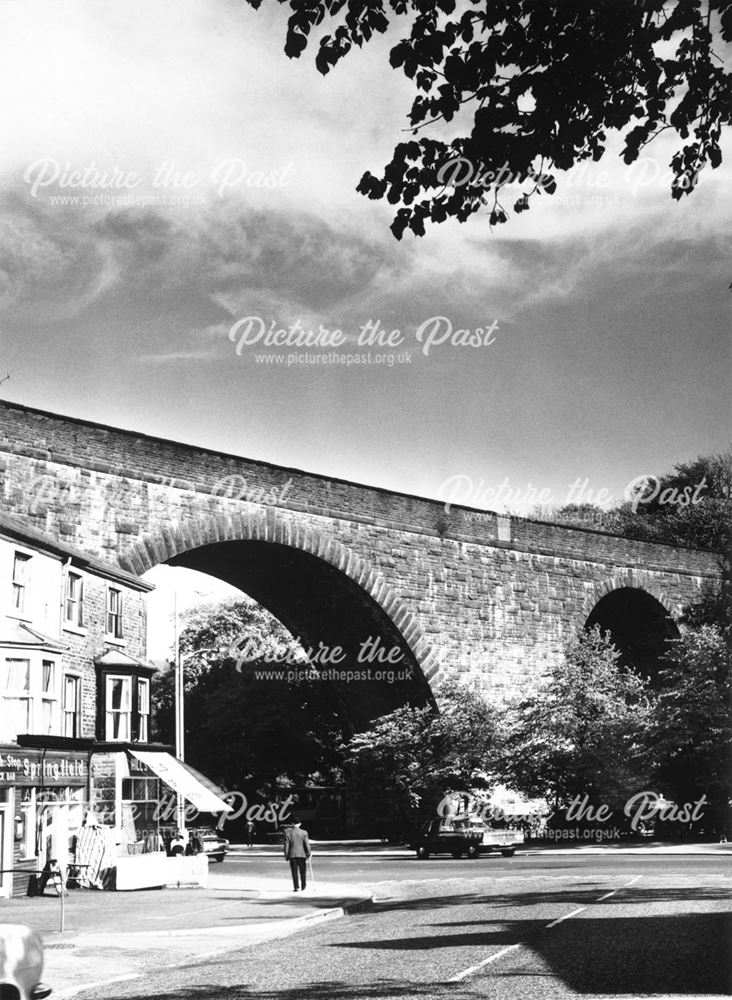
(462, 593)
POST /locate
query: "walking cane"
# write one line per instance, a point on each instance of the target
(312, 873)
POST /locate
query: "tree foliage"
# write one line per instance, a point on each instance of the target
(692, 733)
(515, 90)
(690, 505)
(415, 755)
(584, 732)
(712, 608)
(244, 731)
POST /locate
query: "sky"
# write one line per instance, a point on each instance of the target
(177, 591)
(224, 176)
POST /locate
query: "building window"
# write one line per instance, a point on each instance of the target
(29, 697)
(21, 567)
(49, 697)
(114, 613)
(141, 809)
(143, 709)
(118, 704)
(16, 697)
(73, 604)
(72, 706)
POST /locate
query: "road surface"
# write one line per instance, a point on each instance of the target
(528, 928)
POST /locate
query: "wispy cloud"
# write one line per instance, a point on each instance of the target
(174, 356)
(609, 295)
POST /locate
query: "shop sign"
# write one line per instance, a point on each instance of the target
(55, 768)
(138, 768)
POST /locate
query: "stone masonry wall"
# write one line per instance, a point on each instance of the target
(104, 785)
(85, 644)
(486, 597)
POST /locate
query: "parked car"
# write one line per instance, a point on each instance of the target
(468, 836)
(214, 845)
(21, 964)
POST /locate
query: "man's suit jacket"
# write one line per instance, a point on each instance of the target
(297, 844)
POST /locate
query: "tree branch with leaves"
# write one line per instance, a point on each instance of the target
(520, 89)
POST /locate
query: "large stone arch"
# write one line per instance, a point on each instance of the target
(283, 528)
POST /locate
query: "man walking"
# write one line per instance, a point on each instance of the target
(297, 852)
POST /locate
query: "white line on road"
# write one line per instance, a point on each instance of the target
(504, 951)
(565, 917)
(609, 894)
(474, 968)
(579, 909)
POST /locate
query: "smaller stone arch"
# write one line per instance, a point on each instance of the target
(640, 622)
(284, 528)
(632, 579)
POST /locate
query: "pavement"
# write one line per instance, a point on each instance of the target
(108, 937)
(112, 936)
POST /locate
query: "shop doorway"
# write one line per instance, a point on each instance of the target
(59, 818)
(4, 860)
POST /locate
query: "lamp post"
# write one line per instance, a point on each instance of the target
(180, 732)
(180, 725)
(179, 692)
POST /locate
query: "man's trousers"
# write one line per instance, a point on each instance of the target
(298, 866)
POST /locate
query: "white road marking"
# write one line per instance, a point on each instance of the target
(565, 917)
(609, 894)
(504, 951)
(474, 968)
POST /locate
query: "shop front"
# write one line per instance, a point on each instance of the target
(109, 810)
(42, 797)
(145, 795)
(182, 792)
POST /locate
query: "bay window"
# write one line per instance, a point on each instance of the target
(16, 697)
(143, 710)
(118, 708)
(123, 698)
(29, 696)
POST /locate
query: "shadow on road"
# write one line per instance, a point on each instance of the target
(651, 955)
(584, 896)
(675, 954)
(385, 989)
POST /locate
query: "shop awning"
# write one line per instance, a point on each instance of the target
(180, 779)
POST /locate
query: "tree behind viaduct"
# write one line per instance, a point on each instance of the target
(462, 593)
